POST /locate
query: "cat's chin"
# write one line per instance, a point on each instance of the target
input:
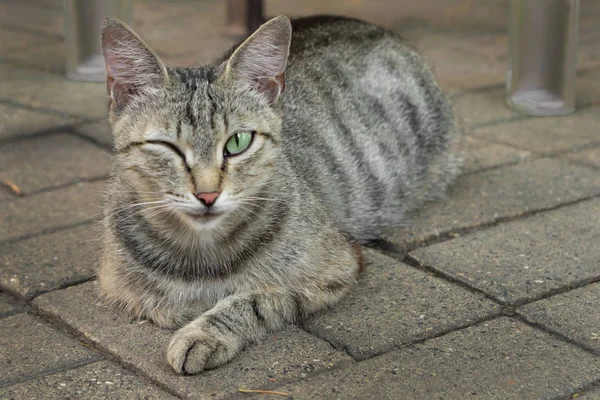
(203, 222)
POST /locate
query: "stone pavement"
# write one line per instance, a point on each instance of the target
(491, 294)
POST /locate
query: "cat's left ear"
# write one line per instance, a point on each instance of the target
(258, 63)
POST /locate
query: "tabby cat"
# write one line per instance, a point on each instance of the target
(238, 197)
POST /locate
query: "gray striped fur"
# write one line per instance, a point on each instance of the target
(359, 135)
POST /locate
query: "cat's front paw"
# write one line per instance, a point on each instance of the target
(198, 346)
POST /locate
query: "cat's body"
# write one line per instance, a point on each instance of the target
(357, 136)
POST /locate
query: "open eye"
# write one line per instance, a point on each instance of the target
(238, 143)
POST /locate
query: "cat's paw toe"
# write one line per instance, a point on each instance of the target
(188, 353)
(193, 350)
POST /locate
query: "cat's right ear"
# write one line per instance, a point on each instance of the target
(258, 63)
(132, 68)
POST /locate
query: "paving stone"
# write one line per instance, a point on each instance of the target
(180, 47)
(572, 314)
(46, 57)
(462, 62)
(466, 15)
(479, 155)
(98, 381)
(29, 348)
(15, 39)
(589, 156)
(546, 135)
(8, 306)
(500, 359)
(49, 262)
(395, 304)
(593, 394)
(482, 107)
(29, 215)
(51, 161)
(17, 121)
(522, 260)
(31, 17)
(489, 106)
(493, 195)
(54, 92)
(284, 356)
(99, 131)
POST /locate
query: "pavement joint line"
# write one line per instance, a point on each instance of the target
(516, 118)
(581, 72)
(392, 348)
(453, 234)
(581, 391)
(556, 335)
(52, 371)
(38, 293)
(48, 231)
(46, 110)
(534, 156)
(58, 323)
(11, 313)
(12, 62)
(35, 32)
(548, 294)
(89, 139)
(576, 149)
(411, 261)
(34, 135)
(92, 179)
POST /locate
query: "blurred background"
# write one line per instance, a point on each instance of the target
(465, 40)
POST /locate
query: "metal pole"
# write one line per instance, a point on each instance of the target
(542, 56)
(83, 22)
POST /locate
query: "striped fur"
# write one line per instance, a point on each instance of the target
(355, 137)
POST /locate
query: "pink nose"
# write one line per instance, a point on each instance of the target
(208, 198)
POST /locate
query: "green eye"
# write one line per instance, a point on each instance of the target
(238, 143)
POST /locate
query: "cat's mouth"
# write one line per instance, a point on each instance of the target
(205, 217)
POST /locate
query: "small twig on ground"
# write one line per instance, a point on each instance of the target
(262, 392)
(11, 185)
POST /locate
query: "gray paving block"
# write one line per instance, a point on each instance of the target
(395, 304)
(484, 107)
(45, 90)
(49, 262)
(47, 57)
(96, 381)
(479, 155)
(33, 17)
(29, 348)
(282, 357)
(51, 161)
(16, 121)
(8, 306)
(462, 62)
(523, 260)
(29, 215)
(98, 131)
(486, 197)
(589, 156)
(500, 359)
(14, 39)
(572, 314)
(593, 394)
(546, 135)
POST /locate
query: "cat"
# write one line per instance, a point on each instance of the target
(239, 196)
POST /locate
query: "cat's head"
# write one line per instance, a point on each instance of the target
(196, 144)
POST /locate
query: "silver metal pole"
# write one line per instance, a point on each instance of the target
(542, 56)
(83, 22)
